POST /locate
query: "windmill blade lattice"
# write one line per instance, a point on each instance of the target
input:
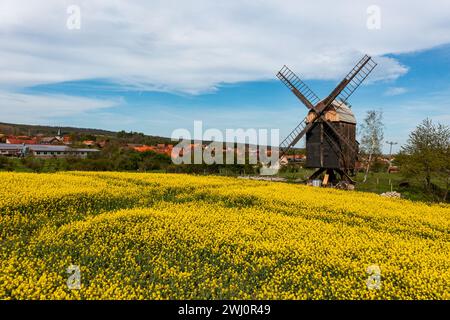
(355, 77)
(294, 137)
(298, 87)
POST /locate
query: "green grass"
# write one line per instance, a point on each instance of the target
(377, 182)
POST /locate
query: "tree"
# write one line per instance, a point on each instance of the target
(371, 137)
(426, 154)
(5, 163)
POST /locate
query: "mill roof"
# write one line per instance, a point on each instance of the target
(344, 112)
(340, 112)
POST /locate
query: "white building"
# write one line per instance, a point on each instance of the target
(43, 151)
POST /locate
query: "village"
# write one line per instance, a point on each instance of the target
(62, 145)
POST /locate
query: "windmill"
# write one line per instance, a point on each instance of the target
(330, 126)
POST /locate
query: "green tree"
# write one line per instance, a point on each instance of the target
(5, 164)
(426, 155)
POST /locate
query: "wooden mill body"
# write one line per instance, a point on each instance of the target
(323, 148)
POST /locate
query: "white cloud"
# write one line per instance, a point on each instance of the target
(395, 91)
(193, 46)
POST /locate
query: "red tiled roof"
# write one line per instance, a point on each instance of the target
(161, 149)
(144, 148)
(20, 141)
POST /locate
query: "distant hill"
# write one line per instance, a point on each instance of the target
(27, 129)
(32, 130)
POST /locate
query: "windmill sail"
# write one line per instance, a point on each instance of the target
(351, 81)
(294, 137)
(298, 87)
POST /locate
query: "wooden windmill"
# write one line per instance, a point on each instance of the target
(330, 126)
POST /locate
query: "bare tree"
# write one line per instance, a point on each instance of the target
(371, 137)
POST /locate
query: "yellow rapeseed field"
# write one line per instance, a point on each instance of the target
(167, 236)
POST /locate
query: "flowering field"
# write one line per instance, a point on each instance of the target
(161, 236)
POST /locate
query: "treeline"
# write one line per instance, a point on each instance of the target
(140, 138)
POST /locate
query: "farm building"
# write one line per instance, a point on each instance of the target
(43, 151)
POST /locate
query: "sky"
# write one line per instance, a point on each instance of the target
(157, 66)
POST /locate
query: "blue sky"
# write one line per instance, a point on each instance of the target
(424, 91)
(125, 69)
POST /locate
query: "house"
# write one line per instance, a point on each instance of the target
(144, 148)
(289, 158)
(21, 140)
(52, 151)
(89, 143)
(167, 149)
(67, 140)
(295, 157)
(43, 151)
(12, 150)
(159, 148)
(50, 140)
